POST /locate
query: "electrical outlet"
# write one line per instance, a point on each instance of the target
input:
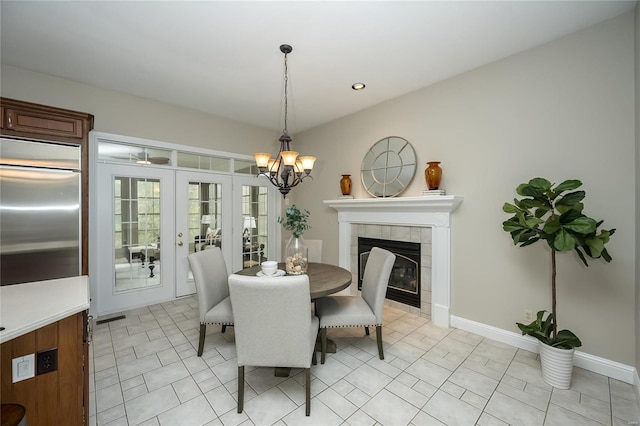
(528, 315)
(47, 361)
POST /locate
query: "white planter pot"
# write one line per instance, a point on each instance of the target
(557, 365)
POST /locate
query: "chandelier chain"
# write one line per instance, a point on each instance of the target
(286, 85)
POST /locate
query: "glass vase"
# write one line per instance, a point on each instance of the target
(296, 255)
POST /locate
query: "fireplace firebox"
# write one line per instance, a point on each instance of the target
(404, 282)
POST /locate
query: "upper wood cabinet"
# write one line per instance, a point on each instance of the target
(33, 121)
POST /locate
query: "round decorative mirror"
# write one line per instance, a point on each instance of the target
(388, 167)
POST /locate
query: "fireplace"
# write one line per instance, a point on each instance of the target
(414, 219)
(404, 282)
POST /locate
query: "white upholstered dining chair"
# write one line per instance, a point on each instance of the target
(211, 279)
(359, 311)
(274, 326)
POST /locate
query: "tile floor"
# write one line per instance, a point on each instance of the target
(145, 371)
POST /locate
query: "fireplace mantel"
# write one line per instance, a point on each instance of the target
(445, 203)
(432, 212)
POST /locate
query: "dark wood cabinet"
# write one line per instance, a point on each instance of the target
(26, 120)
(43, 123)
(58, 397)
(34, 121)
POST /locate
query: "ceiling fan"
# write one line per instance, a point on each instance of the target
(144, 158)
(141, 157)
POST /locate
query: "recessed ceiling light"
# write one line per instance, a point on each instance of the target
(358, 86)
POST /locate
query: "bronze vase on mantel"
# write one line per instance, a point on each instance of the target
(345, 184)
(433, 174)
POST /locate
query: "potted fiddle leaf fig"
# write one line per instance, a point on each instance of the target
(554, 214)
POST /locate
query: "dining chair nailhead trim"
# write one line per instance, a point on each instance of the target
(345, 325)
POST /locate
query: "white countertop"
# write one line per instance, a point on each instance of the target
(29, 306)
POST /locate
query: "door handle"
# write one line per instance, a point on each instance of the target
(180, 243)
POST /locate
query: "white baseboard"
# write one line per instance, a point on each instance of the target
(616, 370)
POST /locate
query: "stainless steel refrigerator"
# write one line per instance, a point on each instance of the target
(40, 211)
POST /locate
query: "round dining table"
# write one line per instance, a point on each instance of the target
(324, 279)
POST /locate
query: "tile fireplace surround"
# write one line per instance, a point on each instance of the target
(426, 220)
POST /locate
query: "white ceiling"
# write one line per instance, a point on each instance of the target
(223, 57)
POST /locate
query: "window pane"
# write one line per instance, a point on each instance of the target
(245, 167)
(203, 162)
(137, 233)
(255, 221)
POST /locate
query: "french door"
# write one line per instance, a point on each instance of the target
(203, 221)
(235, 213)
(135, 250)
(259, 204)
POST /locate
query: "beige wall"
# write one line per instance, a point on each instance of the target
(563, 110)
(134, 116)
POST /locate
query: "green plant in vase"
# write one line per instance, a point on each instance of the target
(296, 221)
(553, 213)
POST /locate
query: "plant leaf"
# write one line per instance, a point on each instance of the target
(530, 191)
(529, 241)
(533, 222)
(566, 340)
(530, 203)
(564, 241)
(582, 225)
(512, 225)
(581, 255)
(596, 245)
(571, 199)
(552, 226)
(509, 208)
(540, 183)
(568, 185)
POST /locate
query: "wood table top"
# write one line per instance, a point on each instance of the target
(324, 279)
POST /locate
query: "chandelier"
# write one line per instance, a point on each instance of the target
(286, 170)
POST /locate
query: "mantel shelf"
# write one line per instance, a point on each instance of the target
(445, 203)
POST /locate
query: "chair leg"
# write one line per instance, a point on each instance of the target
(203, 330)
(224, 328)
(314, 358)
(366, 330)
(307, 373)
(323, 344)
(240, 389)
(379, 339)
